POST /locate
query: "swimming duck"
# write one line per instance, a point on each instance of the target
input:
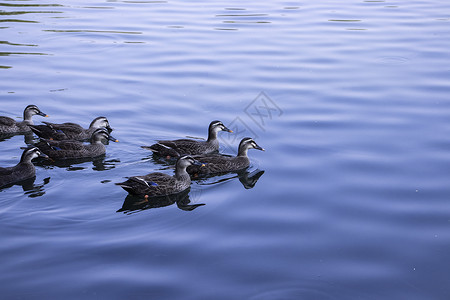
(69, 131)
(70, 149)
(160, 184)
(176, 148)
(9, 125)
(220, 163)
(23, 170)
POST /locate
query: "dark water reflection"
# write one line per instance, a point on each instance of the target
(246, 177)
(99, 163)
(28, 138)
(29, 187)
(134, 203)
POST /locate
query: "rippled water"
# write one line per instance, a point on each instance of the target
(350, 101)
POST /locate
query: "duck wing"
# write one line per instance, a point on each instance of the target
(70, 130)
(47, 132)
(6, 171)
(213, 164)
(60, 145)
(7, 121)
(158, 179)
(164, 148)
(153, 184)
(185, 146)
(178, 147)
(68, 145)
(63, 126)
(218, 164)
(175, 143)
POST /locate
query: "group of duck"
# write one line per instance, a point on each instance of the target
(68, 141)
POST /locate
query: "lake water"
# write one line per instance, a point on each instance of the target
(350, 200)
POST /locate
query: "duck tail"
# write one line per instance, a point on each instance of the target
(150, 148)
(126, 187)
(42, 131)
(35, 129)
(156, 148)
(162, 150)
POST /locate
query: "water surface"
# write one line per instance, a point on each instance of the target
(350, 101)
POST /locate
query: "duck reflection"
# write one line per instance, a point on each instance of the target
(246, 177)
(163, 161)
(99, 163)
(103, 164)
(30, 188)
(28, 137)
(249, 179)
(4, 137)
(134, 203)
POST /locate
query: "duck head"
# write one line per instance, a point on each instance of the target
(247, 143)
(187, 160)
(32, 153)
(30, 111)
(214, 128)
(218, 126)
(101, 122)
(102, 134)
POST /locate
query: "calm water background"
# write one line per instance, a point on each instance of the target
(354, 199)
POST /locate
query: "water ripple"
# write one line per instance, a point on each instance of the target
(350, 200)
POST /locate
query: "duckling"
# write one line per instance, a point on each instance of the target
(70, 149)
(160, 184)
(23, 170)
(9, 125)
(69, 131)
(221, 164)
(176, 148)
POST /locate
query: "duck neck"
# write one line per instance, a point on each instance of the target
(242, 152)
(212, 135)
(25, 158)
(95, 140)
(181, 174)
(27, 117)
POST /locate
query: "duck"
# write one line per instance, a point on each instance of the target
(177, 148)
(23, 170)
(221, 164)
(71, 149)
(161, 184)
(9, 125)
(69, 131)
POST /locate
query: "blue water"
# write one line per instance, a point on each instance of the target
(350, 101)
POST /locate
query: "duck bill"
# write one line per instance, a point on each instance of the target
(113, 139)
(42, 114)
(227, 129)
(45, 156)
(259, 148)
(200, 164)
